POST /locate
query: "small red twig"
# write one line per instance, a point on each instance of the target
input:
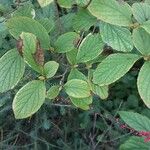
(145, 134)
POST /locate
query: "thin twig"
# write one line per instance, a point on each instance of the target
(16, 140)
(63, 77)
(108, 129)
(61, 105)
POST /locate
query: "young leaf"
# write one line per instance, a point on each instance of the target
(101, 91)
(82, 103)
(135, 143)
(112, 12)
(113, 68)
(29, 99)
(66, 42)
(83, 20)
(17, 25)
(29, 49)
(50, 68)
(90, 48)
(12, 69)
(118, 38)
(143, 83)
(135, 120)
(141, 40)
(77, 88)
(53, 92)
(141, 12)
(44, 3)
(76, 74)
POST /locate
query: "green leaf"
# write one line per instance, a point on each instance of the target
(12, 69)
(65, 3)
(135, 143)
(76, 74)
(44, 3)
(113, 68)
(48, 24)
(71, 56)
(25, 10)
(141, 40)
(77, 88)
(29, 99)
(90, 48)
(83, 20)
(118, 38)
(112, 12)
(50, 68)
(141, 12)
(17, 25)
(135, 120)
(66, 42)
(82, 103)
(146, 26)
(143, 83)
(101, 91)
(53, 92)
(29, 49)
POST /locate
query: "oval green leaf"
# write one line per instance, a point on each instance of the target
(141, 40)
(141, 12)
(101, 91)
(66, 42)
(50, 68)
(82, 103)
(90, 48)
(12, 68)
(112, 12)
(118, 38)
(53, 92)
(29, 99)
(77, 88)
(113, 68)
(143, 83)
